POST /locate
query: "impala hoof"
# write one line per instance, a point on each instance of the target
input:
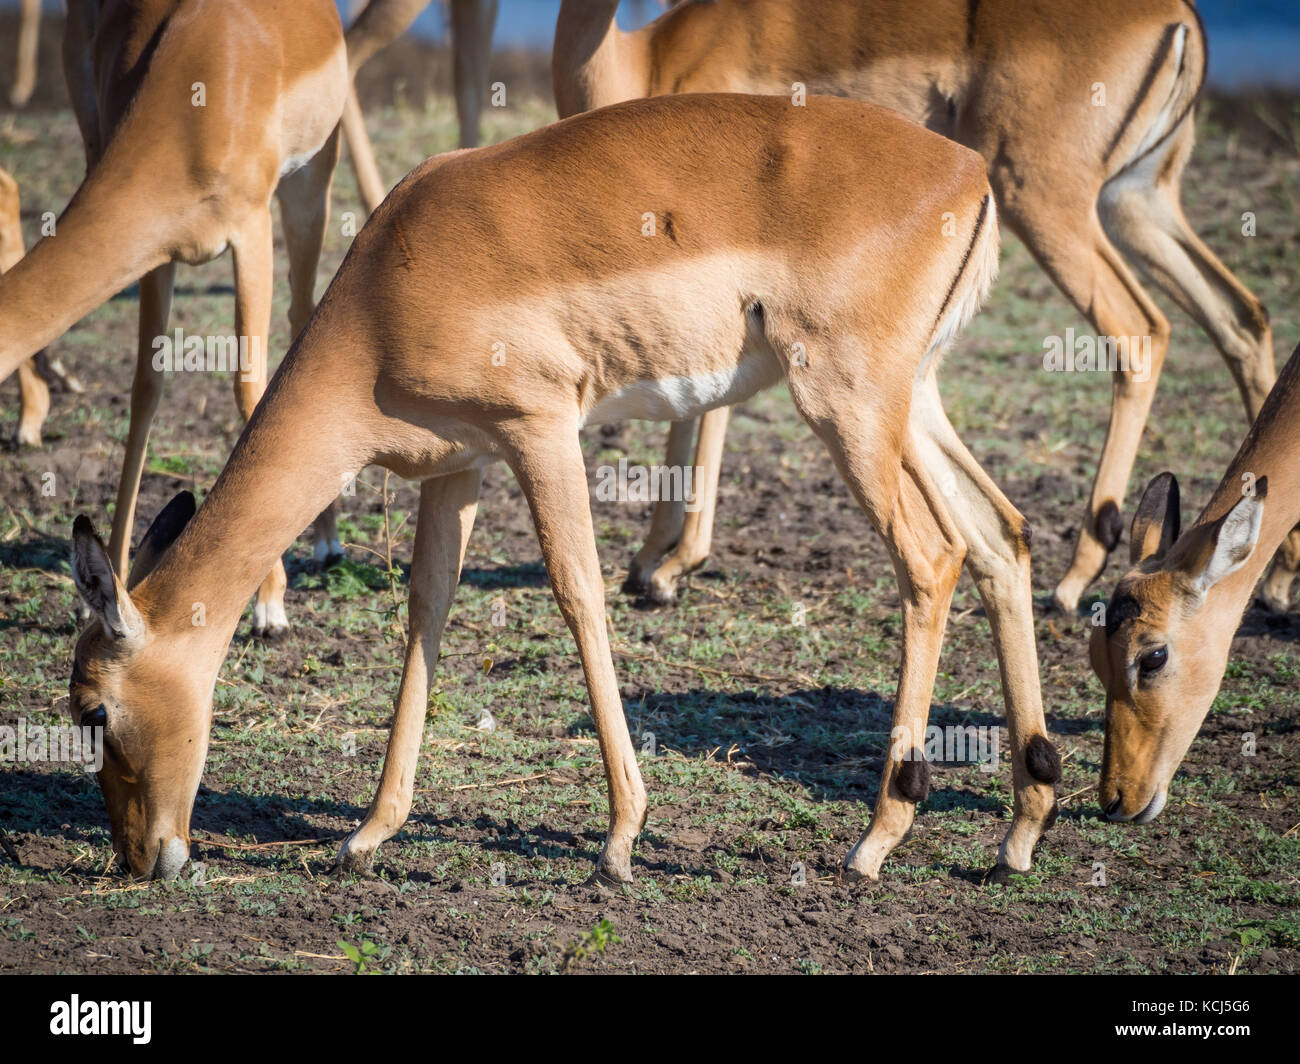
(1002, 874)
(269, 621)
(355, 862)
(850, 876)
(607, 879)
(326, 555)
(612, 870)
(662, 592)
(862, 863)
(24, 437)
(1272, 603)
(1066, 602)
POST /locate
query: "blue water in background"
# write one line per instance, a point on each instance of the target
(1252, 42)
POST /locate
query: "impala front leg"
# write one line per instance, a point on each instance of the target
(927, 551)
(146, 391)
(253, 278)
(305, 210)
(547, 460)
(446, 517)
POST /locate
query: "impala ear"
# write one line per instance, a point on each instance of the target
(1157, 522)
(93, 574)
(1230, 541)
(169, 524)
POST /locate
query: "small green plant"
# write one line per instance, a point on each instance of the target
(363, 955)
(593, 942)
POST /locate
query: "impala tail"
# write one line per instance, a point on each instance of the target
(113, 232)
(1169, 90)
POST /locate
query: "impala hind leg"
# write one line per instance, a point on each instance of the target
(1143, 213)
(443, 525)
(146, 391)
(669, 514)
(304, 212)
(472, 22)
(1275, 592)
(997, 555)
(696, 539)
(1068, 241)
(29, 31)
(253, 252)
(370, 186)
(547, 461)
(873, 454)
(78, 53)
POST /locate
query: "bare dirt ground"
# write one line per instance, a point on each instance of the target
(768, 732)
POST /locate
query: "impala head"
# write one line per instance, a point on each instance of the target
(153, 715)
(1164, 645)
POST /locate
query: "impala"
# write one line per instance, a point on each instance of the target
(380, 23)
(174, 84)
(1020, 83)
(1168, 628)
(504, 297)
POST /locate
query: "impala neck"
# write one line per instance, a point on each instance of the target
(594, 63)
(310, 430)
(1269, 450)
(81, 266)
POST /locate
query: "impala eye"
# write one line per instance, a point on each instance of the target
(95, 718)
(1153, 660)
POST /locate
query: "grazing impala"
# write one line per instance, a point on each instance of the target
(380, 23)
(502, 298)
(1021, 83)
(194, 114)
(1169, 626)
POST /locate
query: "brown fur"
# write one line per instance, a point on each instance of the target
(1177, 600)
(1015, 81)
(163, 179)
(536, 246)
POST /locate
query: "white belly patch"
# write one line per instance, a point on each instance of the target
(678, 398)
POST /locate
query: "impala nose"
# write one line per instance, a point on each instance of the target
(1113, 807)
